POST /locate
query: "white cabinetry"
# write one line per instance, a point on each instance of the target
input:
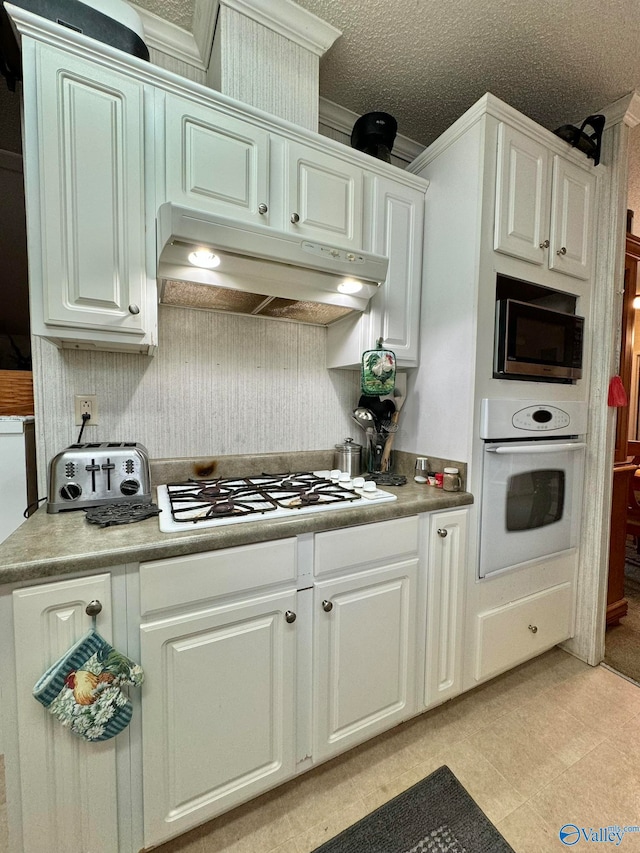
(512, 633)
(216, 162)
(544, 206)
(395, 228)
(84, 147)
(364, 670)
(446, 575)
(218, 721)
(67, 785)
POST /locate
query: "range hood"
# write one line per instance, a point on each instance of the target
(260, 270)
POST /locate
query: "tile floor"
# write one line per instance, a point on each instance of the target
(552, 742)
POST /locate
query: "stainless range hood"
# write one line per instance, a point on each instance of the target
(260, 270)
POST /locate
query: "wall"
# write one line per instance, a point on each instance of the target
(633, 196)
(219, 384)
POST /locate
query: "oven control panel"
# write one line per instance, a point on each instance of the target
(541, 418)
(509, 418)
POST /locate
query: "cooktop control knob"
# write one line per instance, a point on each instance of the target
(70, 492)
(129, 487)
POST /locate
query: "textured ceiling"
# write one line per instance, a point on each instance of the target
(426, 61)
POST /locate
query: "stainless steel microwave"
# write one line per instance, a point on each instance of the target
(537, 343)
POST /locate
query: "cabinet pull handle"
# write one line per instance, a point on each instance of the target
(93, 608)
(133, 309)
(290, 616)
(561, 251)
(442, 532)
(262, 209)
(533, 629)
(544, 245)
(295, 218)
(327, 606)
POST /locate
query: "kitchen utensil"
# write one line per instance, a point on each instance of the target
(365, 417)
(348, 457)
(399, 399)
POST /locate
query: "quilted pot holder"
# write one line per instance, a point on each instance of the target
(83, 688)
(378, 372)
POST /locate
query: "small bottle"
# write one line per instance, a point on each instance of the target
(422, 464)
(451, 481)
(439, 479)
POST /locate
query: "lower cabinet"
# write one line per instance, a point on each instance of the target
(514, 632)
(67, 785)
(364, 655)
(218, 709)
(446, 573)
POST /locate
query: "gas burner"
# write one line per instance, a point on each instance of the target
(383, 479)
(226, 500)
(108, 516)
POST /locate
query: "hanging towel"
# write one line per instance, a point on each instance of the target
(617, 394)
(83, 688)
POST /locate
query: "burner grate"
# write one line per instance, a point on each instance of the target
(198, 500)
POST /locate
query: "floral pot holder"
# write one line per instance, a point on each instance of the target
(83, 688)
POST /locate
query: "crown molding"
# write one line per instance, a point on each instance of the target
(341, 119)
(168, 38)
(289, 20)
(625, 110)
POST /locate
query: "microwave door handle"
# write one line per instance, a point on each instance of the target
(537, 448)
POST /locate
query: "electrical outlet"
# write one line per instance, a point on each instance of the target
(86, 404)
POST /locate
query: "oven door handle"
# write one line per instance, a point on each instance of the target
(537, 448)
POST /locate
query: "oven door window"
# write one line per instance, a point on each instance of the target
(534, 499)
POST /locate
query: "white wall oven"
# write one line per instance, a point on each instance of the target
(531, 495)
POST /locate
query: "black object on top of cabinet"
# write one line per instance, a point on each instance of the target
(374, 133)
(74, 15)
(577, 137)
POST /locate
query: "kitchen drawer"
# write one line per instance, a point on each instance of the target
(515, 632)
(367, 543)
(197, 577)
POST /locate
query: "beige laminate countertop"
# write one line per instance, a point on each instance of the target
(47, 545)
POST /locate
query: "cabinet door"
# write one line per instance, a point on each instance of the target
(88, 145)
(218, 710)
(324, 197)
(398, 234)
(523, 187)
(215, 162)
(68, 785)
(364, 656)
(571, 219)
(445, 602)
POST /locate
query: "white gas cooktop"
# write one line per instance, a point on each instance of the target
(213, 503)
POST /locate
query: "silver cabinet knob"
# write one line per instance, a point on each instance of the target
(442, 532)
(262, 209)
(295, 218)
(327, 606)
(533, 629)
(544, 245)
(290, 616)
(561, 251)
(93, 607)
(133, 309)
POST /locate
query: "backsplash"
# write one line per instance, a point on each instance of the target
(219, 384)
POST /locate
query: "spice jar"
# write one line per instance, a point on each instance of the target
(451, 481)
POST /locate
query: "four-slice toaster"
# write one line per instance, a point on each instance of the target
(95, 474)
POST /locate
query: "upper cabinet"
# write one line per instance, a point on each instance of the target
(324, 196)
(394, 224)
(198, 140)
(84, 170)
(544, 206)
